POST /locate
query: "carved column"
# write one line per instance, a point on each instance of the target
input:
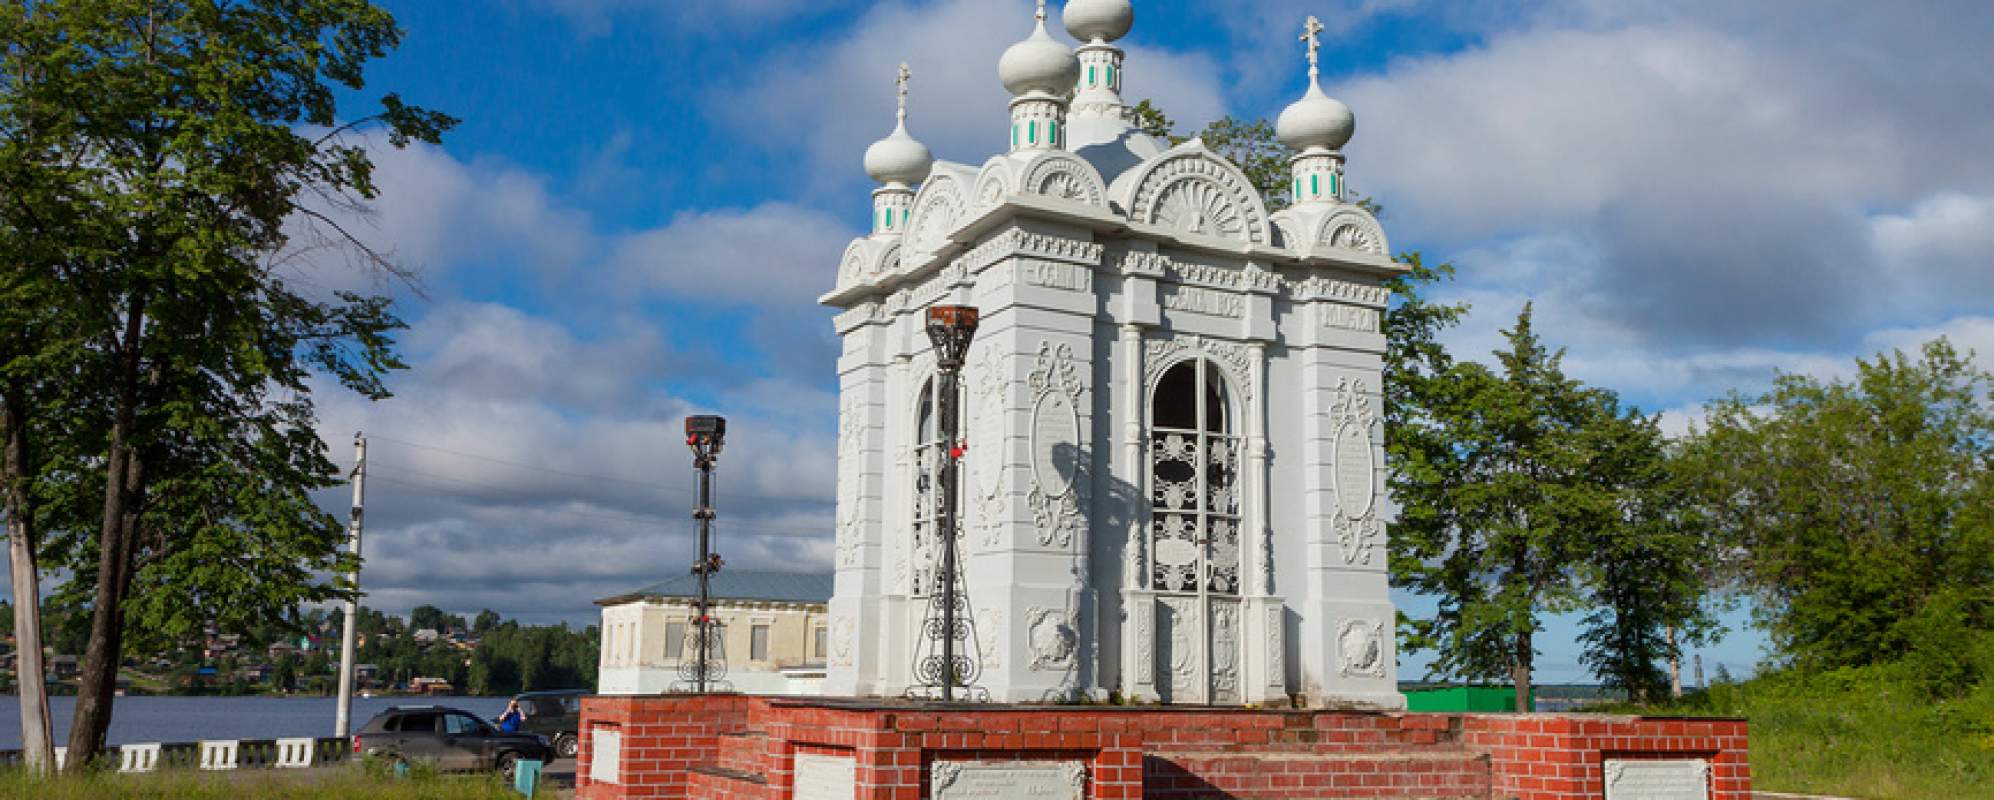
(1138, 679)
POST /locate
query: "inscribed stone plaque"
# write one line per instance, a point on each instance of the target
(821, 777)
(1673, 779)
(606, 756)
(1008, 780)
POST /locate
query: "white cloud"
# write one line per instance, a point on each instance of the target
(820, 104)
(776, 254)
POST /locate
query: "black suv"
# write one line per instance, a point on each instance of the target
(556, 715)
(450, 738)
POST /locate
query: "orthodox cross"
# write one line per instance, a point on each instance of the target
(905, 75)
(1312, 33)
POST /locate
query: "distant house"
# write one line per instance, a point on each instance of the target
(427, 636)
(63, 667)
(364, 673)
(430, 686)
(773, 630)
(282, 649)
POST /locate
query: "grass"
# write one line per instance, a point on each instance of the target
(345, 783)
(1877, 733)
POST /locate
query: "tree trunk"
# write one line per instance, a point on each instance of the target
(102, 655)
(1519, 671)
(1675, 665)
(37, 740)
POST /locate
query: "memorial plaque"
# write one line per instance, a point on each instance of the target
(1008, 780)
(606, 758)
(1673, 779)
(821, 777)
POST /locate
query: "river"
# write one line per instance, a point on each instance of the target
(186, 719)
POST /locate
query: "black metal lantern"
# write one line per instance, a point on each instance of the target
(706, 434)
(950, 328)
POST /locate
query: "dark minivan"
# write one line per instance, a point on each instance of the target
(556, 715)
(450, 738)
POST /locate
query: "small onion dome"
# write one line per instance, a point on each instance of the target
(1106, 20)
(1039, 64)
(898, 158)
(1316, 120)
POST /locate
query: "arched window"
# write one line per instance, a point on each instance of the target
(1193, 482)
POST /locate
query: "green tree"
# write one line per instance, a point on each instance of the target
(428, 616)
(1859, 513)
(190, 135)
(485, 621)
(1501, 495)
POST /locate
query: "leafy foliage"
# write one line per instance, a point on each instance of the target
(1859, 513)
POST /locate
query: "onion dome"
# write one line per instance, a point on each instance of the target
(1317, 120)
(1098, 20)
(899, 158)
(1039, 64)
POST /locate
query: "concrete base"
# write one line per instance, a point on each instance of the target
(734, 747)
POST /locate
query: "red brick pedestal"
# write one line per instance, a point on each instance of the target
(733, 747)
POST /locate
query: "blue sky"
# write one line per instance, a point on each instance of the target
(1694, 194)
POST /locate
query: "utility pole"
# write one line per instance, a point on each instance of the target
(705, 435)
(342, 723)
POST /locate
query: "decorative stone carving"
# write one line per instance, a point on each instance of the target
(1138, 262)
(1145, 641)
(825, 777)
(987, 455)
(1361, 648)
(842, 643)
(1276, 650)
(1657, 779)
(1353, 469)
(1056, 389)
(1186, 684)
(990, 622)
(1352, 230)
(1193, 300)
(1320, 288)
(851, 479)
(1020, 242)
(938, 211)
(1054, 638)
(1232, 357)
(1057, 275)
(1065, 176)
(852, 269)
(1352, 318)
(991, 780)
(1197, 193)
(1225, 651)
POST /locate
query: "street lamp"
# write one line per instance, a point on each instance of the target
(950, 328)
(706, 434)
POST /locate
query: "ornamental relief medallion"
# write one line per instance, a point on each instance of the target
(1360, 647)
(1057, 391)
(936, 212)
(1054, 638)
(1354, 473)
(1200, 207)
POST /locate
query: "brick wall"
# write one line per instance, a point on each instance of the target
(742, 748)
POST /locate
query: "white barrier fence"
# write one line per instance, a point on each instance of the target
(224, 754)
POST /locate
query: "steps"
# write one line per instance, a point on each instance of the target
(1271, 775)
(720, 783)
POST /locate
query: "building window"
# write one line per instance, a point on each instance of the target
(819, 642)
(1194, 483)
(758, 643)
(674, 640)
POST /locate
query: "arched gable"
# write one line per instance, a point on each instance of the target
(1192, 190)
(1058, 173)
(939, 208)
(1352, 229)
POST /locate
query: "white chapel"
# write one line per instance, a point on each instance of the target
(1171, 436)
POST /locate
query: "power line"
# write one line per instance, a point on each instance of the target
(609, 515)
(534, 467)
